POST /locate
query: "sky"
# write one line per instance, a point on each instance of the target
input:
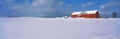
(55, 8)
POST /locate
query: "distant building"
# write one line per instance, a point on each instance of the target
(86, 14)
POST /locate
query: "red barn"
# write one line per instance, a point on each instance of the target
(86, 14)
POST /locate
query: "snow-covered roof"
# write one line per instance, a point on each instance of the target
(87, 12)
(75, 13)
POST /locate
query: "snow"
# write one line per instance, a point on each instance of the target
(87, 12)
(91, 11)
(59, 28)
(75, 13)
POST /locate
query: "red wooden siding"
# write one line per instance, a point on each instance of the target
(96, 15)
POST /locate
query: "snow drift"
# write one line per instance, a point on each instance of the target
(59, 28)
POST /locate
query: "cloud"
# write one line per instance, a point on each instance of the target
(65, 8)
(1, 2)
(110, 4)
(35, 8)
(9, 0)
(109, 7)
(61, 3)
(87, 4)
(45, 2)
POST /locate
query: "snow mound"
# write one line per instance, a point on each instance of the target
(59, 28)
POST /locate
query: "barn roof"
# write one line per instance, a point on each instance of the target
(87, 12)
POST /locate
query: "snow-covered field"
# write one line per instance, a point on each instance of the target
(59, 28)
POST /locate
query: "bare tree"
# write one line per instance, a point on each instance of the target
(114, 14)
